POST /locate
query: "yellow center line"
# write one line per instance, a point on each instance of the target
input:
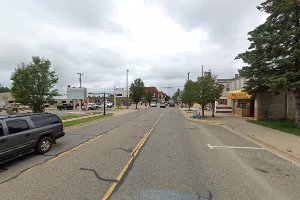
(135, 152)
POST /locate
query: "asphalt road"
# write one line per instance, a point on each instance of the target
(180, 160)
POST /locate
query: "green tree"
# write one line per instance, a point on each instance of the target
(167, 98)
(207, 90)
(149, 96)
(137, 91)
(188, 95)
(273, 58)
(32, 83)
(176, 95)
(4, 89)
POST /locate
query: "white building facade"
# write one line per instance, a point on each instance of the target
(224, 104)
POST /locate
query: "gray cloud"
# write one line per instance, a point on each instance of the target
(223, 20)
(89, 37)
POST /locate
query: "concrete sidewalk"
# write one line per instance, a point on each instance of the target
(282, 144)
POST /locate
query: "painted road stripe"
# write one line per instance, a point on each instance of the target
(234, 147)
(135, 152)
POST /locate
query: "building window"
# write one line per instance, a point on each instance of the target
(222, 102)
(227, 87)
(64, 101)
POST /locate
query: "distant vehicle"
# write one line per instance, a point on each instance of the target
(23, 107)
(172, 104)
(91, 106)
(2, 107)
(107, 105)
(65, 106)
(23, 133)
(153, 104)
(163, 105)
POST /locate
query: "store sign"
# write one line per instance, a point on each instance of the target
(239, 95)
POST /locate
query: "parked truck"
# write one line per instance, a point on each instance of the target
(65, 106)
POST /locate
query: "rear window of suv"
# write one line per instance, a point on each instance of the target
(44, 120)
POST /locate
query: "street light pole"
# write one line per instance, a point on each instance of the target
(188, 76)
(127, 99)
(80, 74)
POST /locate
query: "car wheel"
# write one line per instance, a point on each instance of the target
(44, 145)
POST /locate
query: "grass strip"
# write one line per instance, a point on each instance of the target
(86, 120)
(65, 117)
(287, 126)
(72, 116)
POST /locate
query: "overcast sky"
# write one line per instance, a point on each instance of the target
(159, 41)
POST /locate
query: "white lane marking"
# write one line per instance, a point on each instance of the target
(233, 147)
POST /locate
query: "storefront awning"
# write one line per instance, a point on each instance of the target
(238, 94)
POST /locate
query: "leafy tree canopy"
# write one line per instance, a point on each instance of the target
(273, 58)
(176, 95)
(188, 95)
(32, 83)
(137, 90)
(4, 89)
(207, 90)
(274, 53)
(149, 96)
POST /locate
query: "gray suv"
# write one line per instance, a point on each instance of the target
(24, 133)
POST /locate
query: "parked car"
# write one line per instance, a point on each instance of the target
(163, 105)
(153, 104)
(65, 106)
(107, 105)
(91, 106)
(2, 107)
(23, 133)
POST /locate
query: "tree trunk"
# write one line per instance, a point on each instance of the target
(213, 109)
(202, 110)
(297, 102)
(136, 105)
(189, 106)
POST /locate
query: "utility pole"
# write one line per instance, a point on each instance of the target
(80, 74)
(127, 99)
(115, 98)
(202, 70)
(188, 76)
(104, 104)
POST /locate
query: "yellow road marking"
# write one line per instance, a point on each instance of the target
(135, 152)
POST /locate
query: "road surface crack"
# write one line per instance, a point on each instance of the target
(97, 175)
(128, 150)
